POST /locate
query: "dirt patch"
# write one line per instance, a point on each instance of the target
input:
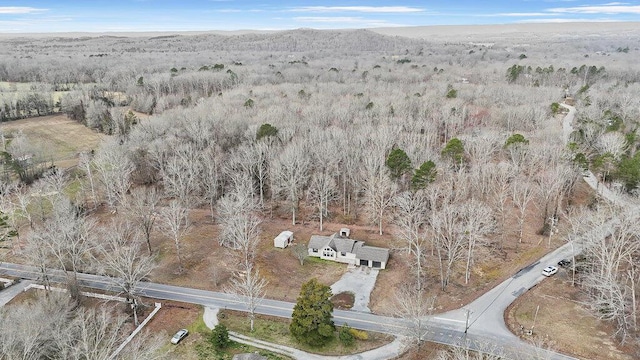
(343, 300)
(427, 351)
(172, 317)
(563, 322)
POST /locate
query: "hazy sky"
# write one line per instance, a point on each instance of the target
(183, 15)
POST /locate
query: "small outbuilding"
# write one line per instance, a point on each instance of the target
(283, 240)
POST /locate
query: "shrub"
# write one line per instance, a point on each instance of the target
(219, 337)
(345, 335)
(451, 92)
(359, 334)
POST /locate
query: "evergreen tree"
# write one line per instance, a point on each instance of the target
(516, 139)
(424, 175)
(219, 337)
(311, 322)
(6, 232)
(454, 150)
(266, 130)
(398, 163)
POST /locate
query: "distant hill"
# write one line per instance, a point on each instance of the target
(513, 31)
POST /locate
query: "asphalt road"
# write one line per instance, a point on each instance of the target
(478, 325)
(445, 328)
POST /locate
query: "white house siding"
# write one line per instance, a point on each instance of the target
(348, 258)
(328, 253)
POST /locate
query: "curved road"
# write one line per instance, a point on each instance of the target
(445, 329)
(483, 319)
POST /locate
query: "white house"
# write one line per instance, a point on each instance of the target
(283, 240)
(347, 251)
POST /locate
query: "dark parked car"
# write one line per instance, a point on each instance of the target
(564, 263)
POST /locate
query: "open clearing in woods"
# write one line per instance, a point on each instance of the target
(62, 137)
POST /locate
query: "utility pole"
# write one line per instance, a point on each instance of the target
(534, 318)
(466, 324)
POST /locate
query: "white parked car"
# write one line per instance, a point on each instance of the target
(179, 336)
(549, 270)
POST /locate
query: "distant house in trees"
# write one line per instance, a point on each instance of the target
(338, 247)
(283, 240)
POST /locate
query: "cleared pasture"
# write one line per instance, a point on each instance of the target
(63, 138)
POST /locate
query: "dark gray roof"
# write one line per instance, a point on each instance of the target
(345, 245)
(319, 241)
(372, 253)
(357, 247)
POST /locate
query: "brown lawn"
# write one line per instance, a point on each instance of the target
(59, 136)
(563, 322)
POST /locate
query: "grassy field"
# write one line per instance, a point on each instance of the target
(11, 89)
(60, 136)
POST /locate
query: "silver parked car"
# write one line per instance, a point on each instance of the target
(179, 336)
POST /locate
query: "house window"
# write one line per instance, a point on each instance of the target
(343, 254)
(314, 250)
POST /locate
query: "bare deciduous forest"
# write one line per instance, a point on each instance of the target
(447, 149)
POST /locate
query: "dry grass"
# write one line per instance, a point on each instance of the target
(60, 136)
(563, 323)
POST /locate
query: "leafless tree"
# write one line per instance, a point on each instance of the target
(70, 239)
(611, 275)
(301, 252)
(85, 163)
(322, 190)
(379, 190)
(181, 174)
(121, 260)
(211, 177)
(612, 143)
(32, 331)
(463, 353)
(552, 184)
(291, 171)
(239, 222)
(94, 334)
(411, 218)
(448, 240)
(174, 221)
(144, 346)
(476, 222)
(114, 168)
(522, 193)
(501, 184)
(249, 286)
(37, 254)
(413, 306)
(142, 209)
(23, 202)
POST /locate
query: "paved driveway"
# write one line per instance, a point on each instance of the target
(359, 281)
